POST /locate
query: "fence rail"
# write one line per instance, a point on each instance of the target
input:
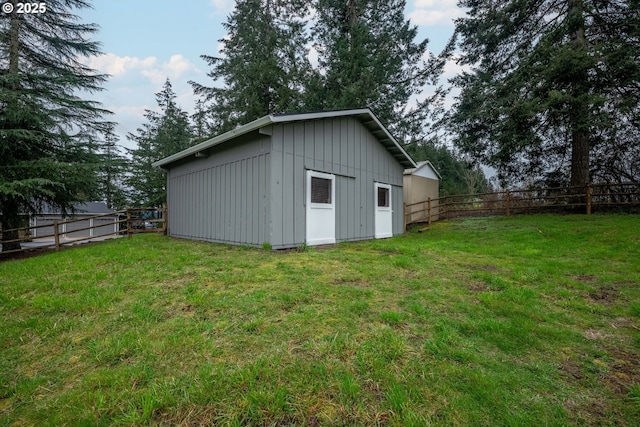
(592, 198)
(57, 235)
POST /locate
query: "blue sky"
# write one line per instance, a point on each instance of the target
(146, 41)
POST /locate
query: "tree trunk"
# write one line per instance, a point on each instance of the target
(579, 159)
(14, 44)
(580, 114)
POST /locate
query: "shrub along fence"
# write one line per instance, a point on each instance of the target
(593, 197)
(77, 230)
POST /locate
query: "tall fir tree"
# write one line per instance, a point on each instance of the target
(551, 85)
(166, 132)
(44, 123)
(112, 171)
(263, 65)
(369, 57)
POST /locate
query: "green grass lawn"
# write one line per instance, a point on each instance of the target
(521, 321)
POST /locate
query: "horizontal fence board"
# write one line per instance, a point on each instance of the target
(560, 199)
(128, 217)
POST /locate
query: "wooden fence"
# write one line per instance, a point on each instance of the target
(592, 198)
(64, 233)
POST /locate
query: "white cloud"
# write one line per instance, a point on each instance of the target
(131, 110)
(452, 68)
(429, 4)
(133, 85)
(175, 69)
(118, 65)
(223, 6)
(430, 12)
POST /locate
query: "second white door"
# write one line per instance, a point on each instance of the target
(383, 212)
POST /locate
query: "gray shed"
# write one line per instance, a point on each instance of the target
(292, 179)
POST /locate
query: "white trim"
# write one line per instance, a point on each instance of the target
(421, 165)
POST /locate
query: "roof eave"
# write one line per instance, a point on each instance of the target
(420, 166)
(249, 127)
(395, 148)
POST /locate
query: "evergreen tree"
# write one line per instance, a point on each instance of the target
(552, 85)
(166, 132)
(112, 170)
(44, 124)
(202, 129)
(263, 64)
(368, 57)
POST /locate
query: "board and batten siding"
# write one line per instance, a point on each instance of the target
(223, 197)
(342, 146)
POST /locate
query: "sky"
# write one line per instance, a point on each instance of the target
(144, 42)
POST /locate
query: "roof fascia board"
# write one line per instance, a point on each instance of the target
(251, 126)
(404, 153)
(318, 115)
(284, 118)
(341, 113)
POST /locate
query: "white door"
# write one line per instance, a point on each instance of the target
(383, 213)
(321, 208)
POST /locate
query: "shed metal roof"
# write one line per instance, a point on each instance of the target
(364, 115)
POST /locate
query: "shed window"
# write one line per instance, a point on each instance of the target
(320, 190)
(383, 197)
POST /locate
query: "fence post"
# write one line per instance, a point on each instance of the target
(588, 194)
(429, 210)
(128, 223)
(446, 208)
(508, 203)
(404, 216)
(56, 235)
(164, 217)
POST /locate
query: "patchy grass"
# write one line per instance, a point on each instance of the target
(530, 320)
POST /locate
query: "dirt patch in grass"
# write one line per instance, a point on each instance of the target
(605, 295)
(388, 251)
(591, 413)
(484, 267)
(585, 278)
(610, 293)
(572, 369)
(350, 282)
(595, 334)
(478, 287)
(624, 370)
(619, 372)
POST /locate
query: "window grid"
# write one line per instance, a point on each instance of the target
(383, 197)
(320, 190)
